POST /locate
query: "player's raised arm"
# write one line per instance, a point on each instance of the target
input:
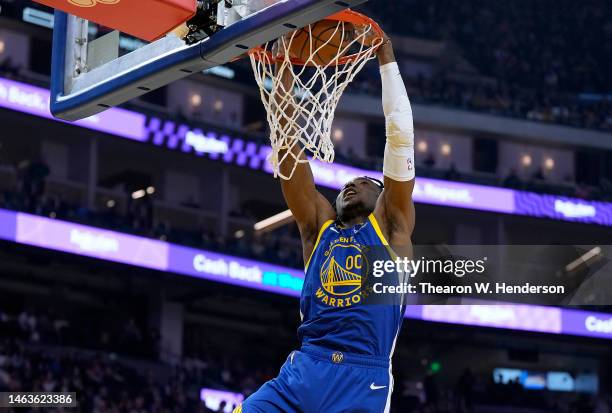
(308, 206)
(395, 205)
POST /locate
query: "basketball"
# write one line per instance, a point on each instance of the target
(325, 37)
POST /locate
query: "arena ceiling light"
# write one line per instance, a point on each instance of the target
(138, 194)
(526, 160)
(422, 146)
(274, 221)
(549, 164)
(150, 190)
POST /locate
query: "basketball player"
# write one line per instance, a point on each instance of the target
(344, 364)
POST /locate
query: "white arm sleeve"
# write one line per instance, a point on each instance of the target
(399, 150)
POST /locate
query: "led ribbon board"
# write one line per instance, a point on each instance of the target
(147, 253)
(217, 146)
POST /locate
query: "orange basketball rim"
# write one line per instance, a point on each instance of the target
(346, 16)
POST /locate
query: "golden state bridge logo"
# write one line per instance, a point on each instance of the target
(341, 275)
(91, 3)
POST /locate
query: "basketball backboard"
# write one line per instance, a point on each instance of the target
(89, 75)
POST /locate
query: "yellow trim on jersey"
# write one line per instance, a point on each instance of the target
(238, 409)
(378, 231)
(323, 228)
(376, 227)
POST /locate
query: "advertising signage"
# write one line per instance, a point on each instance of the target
(153, 254)
(233, 150)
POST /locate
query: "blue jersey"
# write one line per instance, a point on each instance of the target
(344, 363)
(332, 314)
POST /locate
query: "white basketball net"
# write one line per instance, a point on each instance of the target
(301, 112)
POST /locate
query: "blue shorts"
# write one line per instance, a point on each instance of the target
(316, 379)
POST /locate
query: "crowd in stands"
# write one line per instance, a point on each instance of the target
(546, 43)
(497, 98)
(102, 384)
(109, 361)
(39, 355)
(138, 218)
(43, 349)
(491, 96)
(87, 329)
(545, 60)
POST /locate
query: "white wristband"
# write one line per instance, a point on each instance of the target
(399, 163)
(399, 150)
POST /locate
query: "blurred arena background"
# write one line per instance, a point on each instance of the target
(131, 271)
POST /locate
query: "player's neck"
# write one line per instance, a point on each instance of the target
(350, 222)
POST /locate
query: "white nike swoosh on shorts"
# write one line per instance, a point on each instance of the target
(374, 387)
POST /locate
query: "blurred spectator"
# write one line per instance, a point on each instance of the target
(465, 387)
(452, 174)
(538, 175)
(430, 160)
(512, 180)
(32, 175)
